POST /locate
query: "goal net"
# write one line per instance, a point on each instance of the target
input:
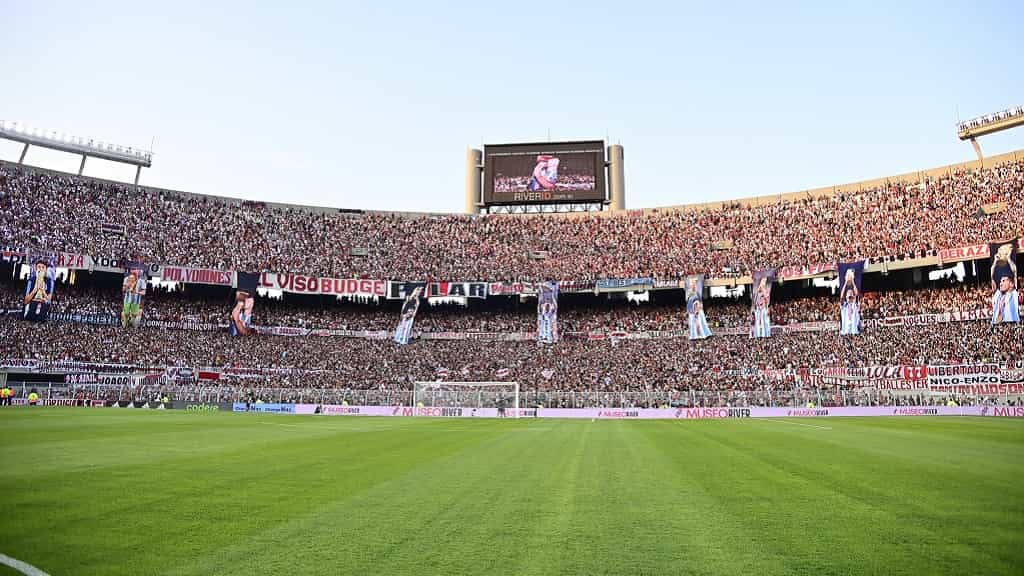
(468, 395)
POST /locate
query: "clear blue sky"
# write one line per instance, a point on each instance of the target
(372, 105)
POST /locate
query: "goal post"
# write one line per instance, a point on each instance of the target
(441, 394)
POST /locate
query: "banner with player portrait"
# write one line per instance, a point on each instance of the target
(410, 306)
(547, 312)
(850, 276)
(1005, 306)
(42, 277)
(760, 304)
(695, 307)
(240, 322)
(133, 292)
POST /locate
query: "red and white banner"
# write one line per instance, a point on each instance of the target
(575, 285)
(983, 389)
(806, 271)
(68, 260)
(949, 377)
(510, 288)
(302, 284)
(974, 252)
(73, 261)
(196, 276)
(927, 319)
(869, 372)
(878, 377)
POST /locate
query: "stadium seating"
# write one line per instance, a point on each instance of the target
(47, 211)
(41, 210)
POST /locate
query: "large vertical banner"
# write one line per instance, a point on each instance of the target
(760, 304)
(850, 276)
(695, 307)
(1005, 307)
(409, 308)
(240, 323)
(39, 290)
(133, 292)
(547, 312)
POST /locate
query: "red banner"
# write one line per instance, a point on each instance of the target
(788, 272)
(73, 261)
(196, 276)
(964, 253)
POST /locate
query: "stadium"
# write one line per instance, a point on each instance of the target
(826, 381)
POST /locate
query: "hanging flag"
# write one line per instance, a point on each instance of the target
(547, 312)
(240, 323)
(760, 304)
(409, 309)
(39, 290)
(133, 292)
(1005, 306)
(695, 307)
(850, 276)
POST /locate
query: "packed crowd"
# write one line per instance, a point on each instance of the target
(48, 211)
(661, 364)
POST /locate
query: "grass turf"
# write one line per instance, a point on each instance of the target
(90, 491)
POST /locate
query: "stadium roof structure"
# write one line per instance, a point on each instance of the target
(989, 124)
(86, 147)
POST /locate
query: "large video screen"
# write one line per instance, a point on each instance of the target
(544, 173)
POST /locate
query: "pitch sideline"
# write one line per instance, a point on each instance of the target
(23, 567)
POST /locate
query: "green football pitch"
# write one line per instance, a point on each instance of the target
(103, 491)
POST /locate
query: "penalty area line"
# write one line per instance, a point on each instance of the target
(795, 423)
(18, 565)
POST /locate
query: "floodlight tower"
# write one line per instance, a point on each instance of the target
(86, 147)
(989, 124)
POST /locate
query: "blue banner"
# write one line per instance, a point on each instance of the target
(850, 276)
(620, 283)
(269, 408)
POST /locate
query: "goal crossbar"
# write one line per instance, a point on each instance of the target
(467, 394)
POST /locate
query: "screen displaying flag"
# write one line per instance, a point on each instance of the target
(133, 292)
(850, 275)
(695, 307)
(39, 290)
(547, 312)
(240, 322)
(760, 304)
(1005, 306)
(409, 308)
